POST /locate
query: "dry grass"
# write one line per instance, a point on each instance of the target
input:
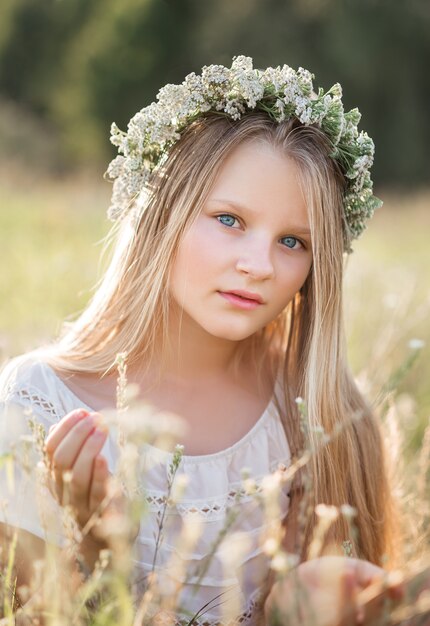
(48, 235)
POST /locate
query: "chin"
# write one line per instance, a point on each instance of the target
(230, 333)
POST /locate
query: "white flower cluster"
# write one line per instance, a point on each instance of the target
(279, 91)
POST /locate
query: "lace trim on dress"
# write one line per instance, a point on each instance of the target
(218, 507)
(31, 396)
(158, 501)
(208, 510)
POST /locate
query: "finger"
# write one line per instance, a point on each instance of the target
(55, 488)
(377, 597)
(98, 488)
(58, 431)
(48, 479)
(67, 451)
(348, 588)
(396, 585)
(366, 573)
(83, 467)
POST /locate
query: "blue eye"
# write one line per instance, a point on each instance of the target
(291, 242)
(226, 219)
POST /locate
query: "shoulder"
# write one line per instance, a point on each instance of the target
(28, 406)
(28, 382)
(23, 374)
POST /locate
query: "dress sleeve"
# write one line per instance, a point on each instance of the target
(26, 413)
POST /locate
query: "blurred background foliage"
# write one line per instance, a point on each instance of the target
(68, 68)
(71, 67)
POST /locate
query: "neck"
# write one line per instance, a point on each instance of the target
(190, 353)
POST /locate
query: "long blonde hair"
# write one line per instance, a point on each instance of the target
(129, 313)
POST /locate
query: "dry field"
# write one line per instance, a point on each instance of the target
(51, 235)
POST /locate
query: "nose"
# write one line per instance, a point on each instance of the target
(255, 260)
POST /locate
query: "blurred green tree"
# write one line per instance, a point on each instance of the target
(34, 38)
(115, 65)
(81, 64)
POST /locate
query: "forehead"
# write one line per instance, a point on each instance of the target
(260, 178)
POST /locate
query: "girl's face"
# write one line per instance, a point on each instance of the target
(252, 236)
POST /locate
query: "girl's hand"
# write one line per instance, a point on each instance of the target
(323, 592)
(73, 445)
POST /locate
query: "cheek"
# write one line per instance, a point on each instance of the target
(293, 278)
(198, 255)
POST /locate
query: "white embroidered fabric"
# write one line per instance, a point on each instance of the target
(214, 490)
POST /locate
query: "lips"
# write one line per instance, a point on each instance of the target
(246, 295)
(239, 301)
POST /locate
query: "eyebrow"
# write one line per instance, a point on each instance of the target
(298, 229)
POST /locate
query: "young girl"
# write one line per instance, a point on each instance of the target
(236, 197)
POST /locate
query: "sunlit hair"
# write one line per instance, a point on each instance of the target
(129, 312)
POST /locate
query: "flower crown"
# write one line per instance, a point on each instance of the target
(281, 92)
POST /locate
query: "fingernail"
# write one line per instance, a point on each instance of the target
(81, 413)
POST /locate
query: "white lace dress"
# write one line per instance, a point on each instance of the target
(215, 485)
